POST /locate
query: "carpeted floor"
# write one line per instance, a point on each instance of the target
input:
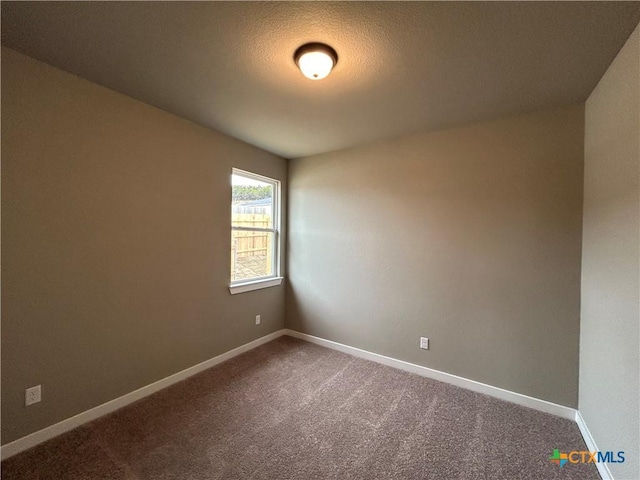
(293, 410)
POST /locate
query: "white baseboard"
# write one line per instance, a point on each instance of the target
(603, 468)
(64, 426)
(509, 396)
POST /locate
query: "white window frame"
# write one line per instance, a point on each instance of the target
(241, 286)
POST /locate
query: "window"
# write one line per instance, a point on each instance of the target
(255, 225)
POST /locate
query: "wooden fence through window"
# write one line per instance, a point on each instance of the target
(246, 244)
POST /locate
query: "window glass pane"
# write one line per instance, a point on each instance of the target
(251, 255)
(251, 202)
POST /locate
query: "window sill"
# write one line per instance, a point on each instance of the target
(255, 285)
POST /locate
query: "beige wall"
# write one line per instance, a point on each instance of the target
(609, 342)
(471, 237)
(115, 245)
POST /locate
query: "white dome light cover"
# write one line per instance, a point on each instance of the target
(315, 60)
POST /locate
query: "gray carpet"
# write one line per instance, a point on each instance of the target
(293, 410)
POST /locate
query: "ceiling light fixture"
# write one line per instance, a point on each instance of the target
(315, 60)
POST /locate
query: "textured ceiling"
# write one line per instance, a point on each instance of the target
(403, 67)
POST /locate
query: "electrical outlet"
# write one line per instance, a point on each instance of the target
(424, 343)
(257, 319)
(32, 395)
